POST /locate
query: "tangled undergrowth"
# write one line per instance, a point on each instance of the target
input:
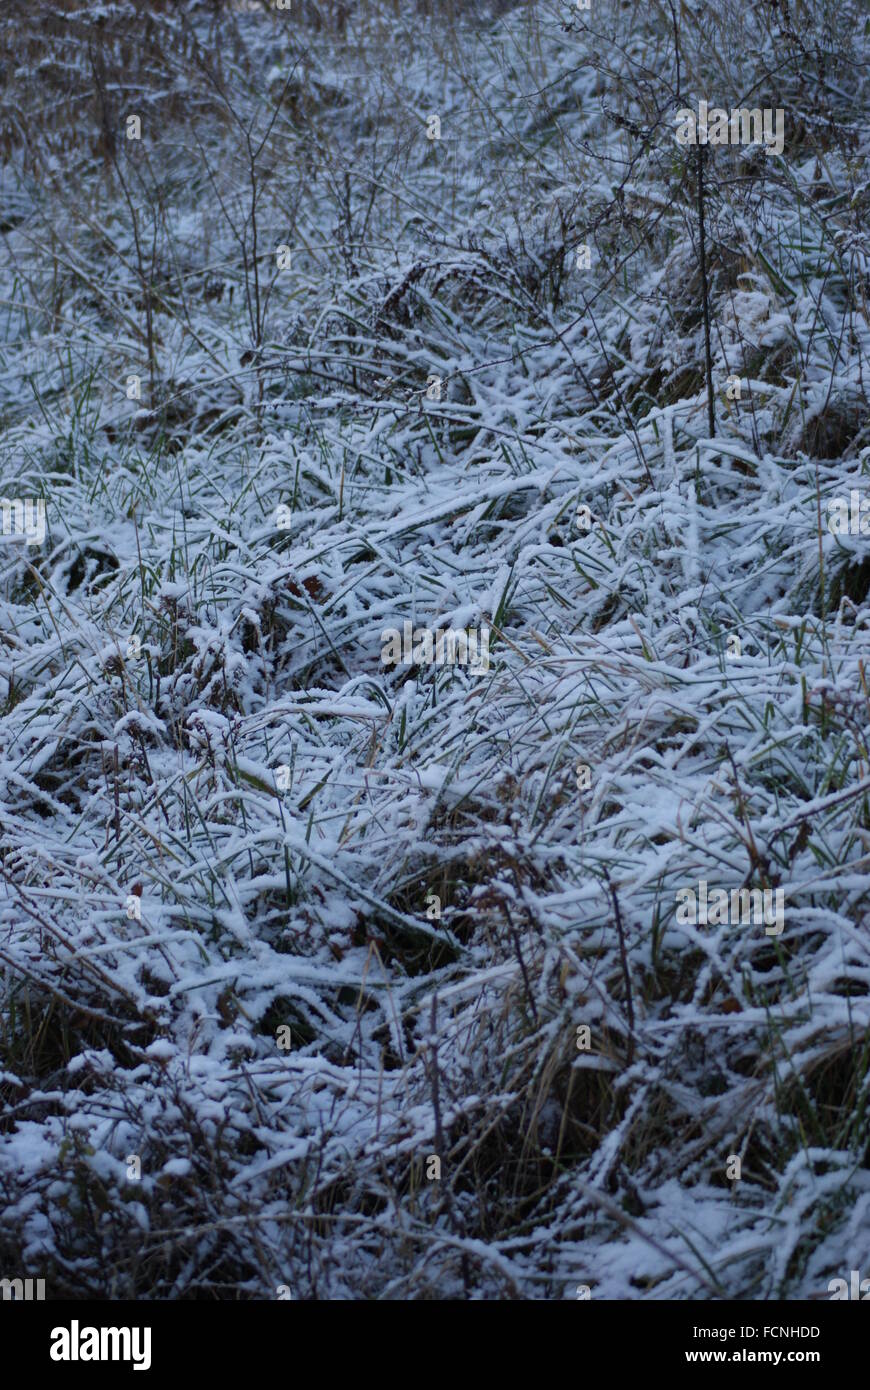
(280, 923)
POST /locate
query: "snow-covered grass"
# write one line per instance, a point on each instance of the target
(224, 554)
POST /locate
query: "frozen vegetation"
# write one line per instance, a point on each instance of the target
(282, 922)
